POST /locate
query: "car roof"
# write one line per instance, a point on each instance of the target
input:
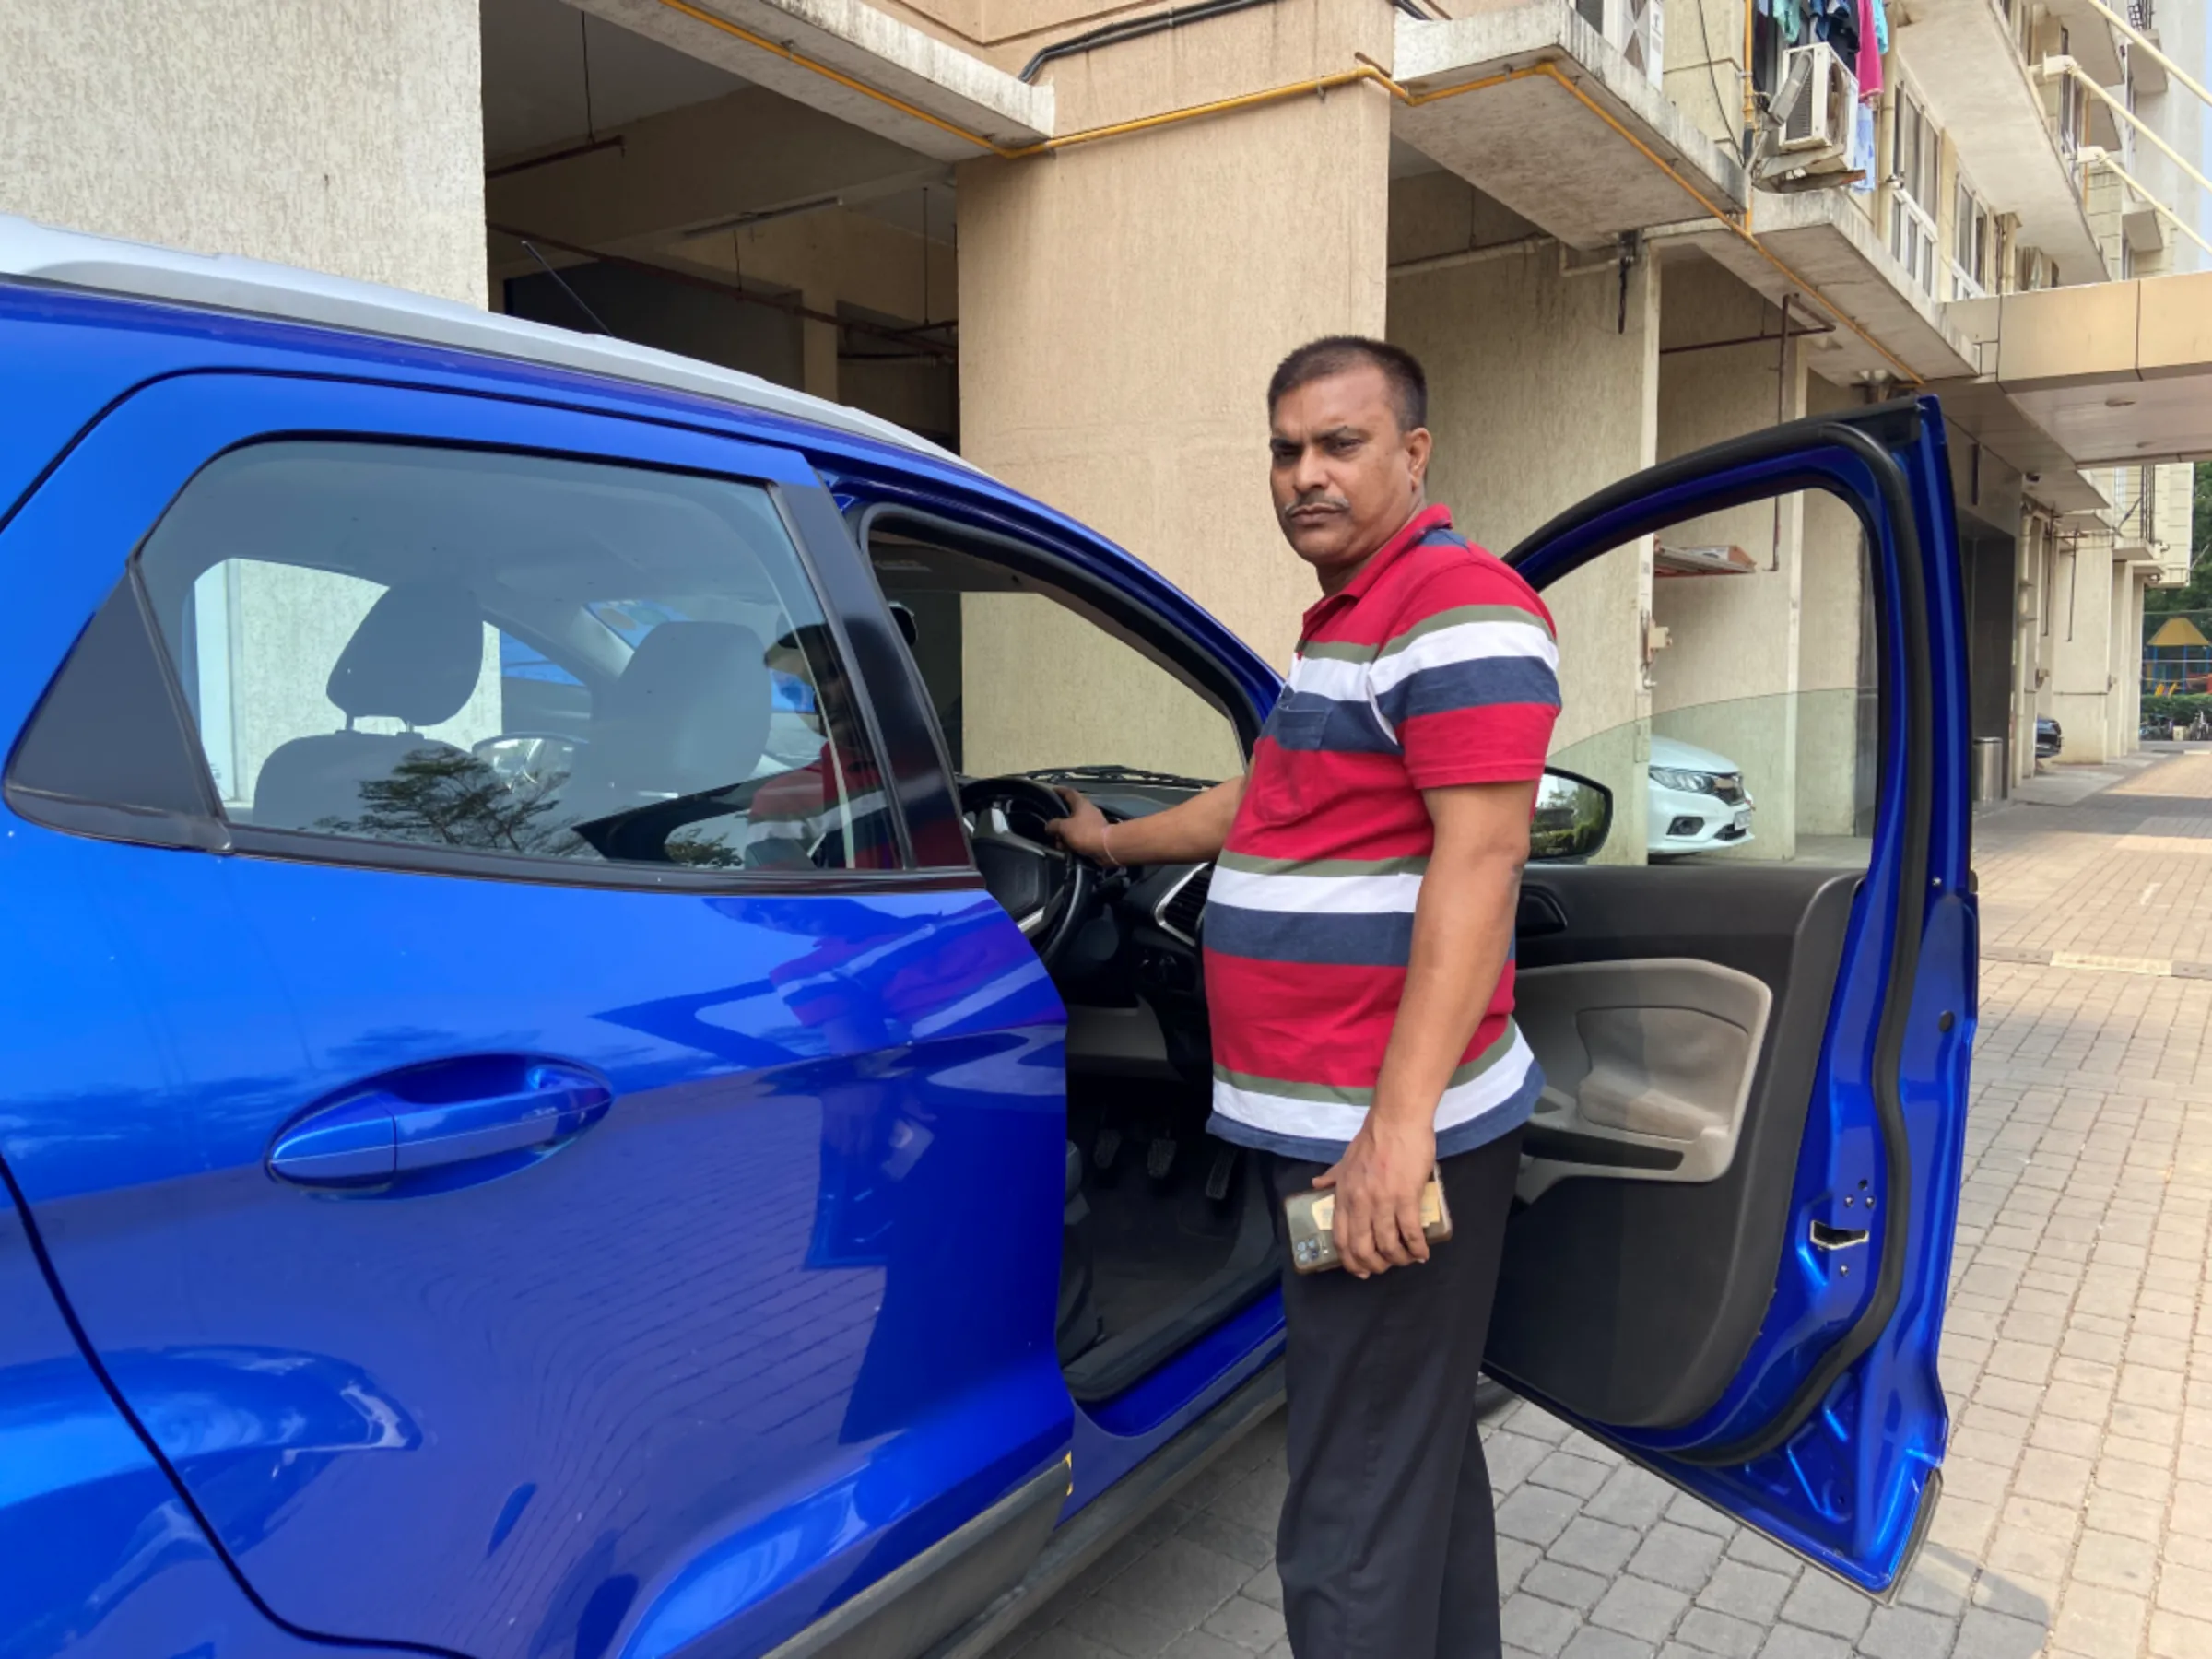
(33, 253)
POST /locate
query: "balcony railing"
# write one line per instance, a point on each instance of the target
(2138, 13)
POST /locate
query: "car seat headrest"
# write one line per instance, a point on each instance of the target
(416, 656)
(690, 711)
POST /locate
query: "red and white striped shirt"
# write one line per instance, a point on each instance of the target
(1435, 666)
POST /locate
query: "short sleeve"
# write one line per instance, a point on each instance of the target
(1469, 678)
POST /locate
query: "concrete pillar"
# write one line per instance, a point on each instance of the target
(1728, 680)
(1122, 303)
(2027, 641)
(1835, 647)
(2081, 644)
(817, 344)
(345, 135)
(2120, 699)
(1541, 391)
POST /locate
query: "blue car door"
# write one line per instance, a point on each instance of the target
(515, 1073)
(1755, 1007)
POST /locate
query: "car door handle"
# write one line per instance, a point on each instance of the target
(424, 1118)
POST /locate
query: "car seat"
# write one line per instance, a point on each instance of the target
(687, 714)
(415, 657)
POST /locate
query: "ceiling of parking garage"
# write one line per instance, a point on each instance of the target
(535, 73)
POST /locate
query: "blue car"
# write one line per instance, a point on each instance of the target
(560, 1101)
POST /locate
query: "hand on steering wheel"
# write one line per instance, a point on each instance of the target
(1046, 888)
(1083, 831)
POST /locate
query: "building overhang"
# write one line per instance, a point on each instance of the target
(1538, 111)
(935, 82)
(2118, 375)
(1961, 56)
(1832, 247)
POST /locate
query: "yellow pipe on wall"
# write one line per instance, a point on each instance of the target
(1366, 70)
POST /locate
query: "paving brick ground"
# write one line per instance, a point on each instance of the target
(2077, 1515)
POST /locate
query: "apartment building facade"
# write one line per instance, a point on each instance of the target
(1071, 237)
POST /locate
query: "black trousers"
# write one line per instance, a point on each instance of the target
(1388, 1547)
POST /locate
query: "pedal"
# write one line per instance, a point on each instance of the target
(1217, 1178)
(1105, 1150)
(1159, 1157)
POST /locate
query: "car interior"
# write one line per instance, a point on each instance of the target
(1167, 1232)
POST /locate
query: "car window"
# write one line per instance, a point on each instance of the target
(1025, 677)
(1733, 711)
(512, 655)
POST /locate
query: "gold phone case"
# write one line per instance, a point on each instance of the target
(1311, 1217)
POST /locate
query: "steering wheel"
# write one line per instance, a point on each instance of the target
(1045, 888)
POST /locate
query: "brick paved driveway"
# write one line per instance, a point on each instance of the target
(2077, 1515)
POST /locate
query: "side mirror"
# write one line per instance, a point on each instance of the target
(1574, 813)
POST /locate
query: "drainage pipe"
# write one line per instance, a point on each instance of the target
(1135, 28)
(2067, 65)
(2104, 158)
(2139, 38)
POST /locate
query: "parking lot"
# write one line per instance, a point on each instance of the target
(2076, 1513)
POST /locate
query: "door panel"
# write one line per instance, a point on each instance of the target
(1647, 1068)
(1765, 1336)
(688, 1364)
(1675, 1276)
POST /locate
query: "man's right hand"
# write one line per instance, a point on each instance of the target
(1083, 831)
(1188, 832)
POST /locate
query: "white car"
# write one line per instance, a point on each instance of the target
(1697, 800)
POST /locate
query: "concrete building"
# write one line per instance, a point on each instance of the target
(1070, 238)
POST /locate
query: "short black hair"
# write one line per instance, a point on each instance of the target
(1317, 359)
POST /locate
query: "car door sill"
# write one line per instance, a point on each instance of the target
(1114, 1513)
(918, 1600)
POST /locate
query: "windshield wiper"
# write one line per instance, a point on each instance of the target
(1117, 774)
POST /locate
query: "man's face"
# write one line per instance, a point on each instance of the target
(1345, 478)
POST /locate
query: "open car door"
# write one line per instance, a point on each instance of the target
(1755, 1007)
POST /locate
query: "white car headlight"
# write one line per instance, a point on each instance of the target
(1688, 782)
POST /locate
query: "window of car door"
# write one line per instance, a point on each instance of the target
(1031, 672)
(405, 652)
(1731, 705)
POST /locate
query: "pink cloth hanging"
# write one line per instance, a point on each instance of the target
(1869, 67)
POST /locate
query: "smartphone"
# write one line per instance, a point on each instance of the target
(1311, 1217)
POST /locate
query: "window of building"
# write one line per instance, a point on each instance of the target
(1914, 156)
(512, 656)
(1970, 239)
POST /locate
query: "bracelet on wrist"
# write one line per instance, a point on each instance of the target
(1106, 846)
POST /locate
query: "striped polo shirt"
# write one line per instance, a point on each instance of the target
(1435, 666)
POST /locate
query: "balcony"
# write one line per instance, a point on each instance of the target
(1542, 112)
(1830, 244)
(1965, 59)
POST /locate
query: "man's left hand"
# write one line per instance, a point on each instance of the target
(1377, 1184)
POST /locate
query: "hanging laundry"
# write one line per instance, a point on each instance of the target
(1870, 64)
(1861, 155)
(1881, 28)
(1837, 22)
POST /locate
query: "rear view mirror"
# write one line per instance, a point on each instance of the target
(1572, 816)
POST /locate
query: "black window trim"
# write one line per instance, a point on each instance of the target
(213, 832)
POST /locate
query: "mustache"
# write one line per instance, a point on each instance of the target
(1333, 503)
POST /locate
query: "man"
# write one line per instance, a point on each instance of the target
(1358, 966)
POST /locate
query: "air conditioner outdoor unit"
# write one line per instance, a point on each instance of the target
(1820, 118)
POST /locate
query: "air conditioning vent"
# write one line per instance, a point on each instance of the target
(1820, 118)
(1180, 911)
